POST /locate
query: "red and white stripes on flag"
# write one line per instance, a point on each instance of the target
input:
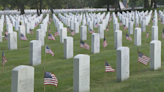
(23, 37)
(51, 37)
(49, 51)
(147, 35)
(128, 37)
(84, 45)
(124, 27)
(56, 33)
(108, 68)
(107, 29)
(104, 43)
(96, 25)
(163, 34)
(91, 31)
(143, 58)
(50, 79)
(4, 60)
(72, 33)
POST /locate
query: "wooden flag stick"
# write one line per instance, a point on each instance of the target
(105, 76)
(44, 75)
(2, 61)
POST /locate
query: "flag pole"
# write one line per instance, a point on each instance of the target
(2, 61)
(138, 66)
(44, 75)
(105, 72)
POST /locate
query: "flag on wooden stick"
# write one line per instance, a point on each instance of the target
(49, 51)
(108, 67)
(72, 32)
(125, 27)
(49, 30)
(91, 31)
(56, 33)
(143, 58)
(163, 34)
(50, 79)
(4, 60)
(147, 35)
(84, 45)
(104, 43)
(23, 37)
(31, 31)
(96, 25)
(51, 37)
(128, 37)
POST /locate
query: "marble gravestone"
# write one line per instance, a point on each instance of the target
(22, 30)
(40, 36)
(63, 34)
(9, 27)
(12, 40)
(72, 25)
(83, 33)
(22, 79)
(130, 29)
(41, 26)
(118, 38)
(154, 32)
(16, 25)
(68, 47)
(137, 37)
(81, 73)
(101, 31)
(27, 27)
(95, 43)
(123, 63)
(116, 26)
(155, 55)
(143, 26)
(35, 52)
(76, 27)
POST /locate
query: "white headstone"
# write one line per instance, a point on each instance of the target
(123, 63)
(83, 33)
(155, 55)
(40, 36)
(68, 47)
(154, 32)
(116, 26)
(95, 43)
(22, 79)
(143, 26)
(101, 31)
(22, 30)
(130, 29)
(35, 52)
(118, 38)
(12, 40)
(137, 37)
(76, 27)
(81, 73)
(27, 27)
(63, 34)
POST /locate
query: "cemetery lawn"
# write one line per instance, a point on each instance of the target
(142, 79)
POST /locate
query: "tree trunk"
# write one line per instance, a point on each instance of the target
(151, 5)
(40, 6)
(51, 10)
(118, 5)
(146, 4)
(155, 3)
(107, 6)
(37, 9)
(22, 9)
(133, 5)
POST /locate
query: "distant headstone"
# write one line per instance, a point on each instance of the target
(81, 73)
(63, 34)
(12, 40)
(143, 26)
(155, 55)
(40, 36)
(101, 31)
(154, 32)
(95, 43)
(22, 30)
(76, 27)
(68, 47)
(130, 29)
(116, 26)
(22, 79)
(35, 52)
(118, 38)
(83, 33)
(123, 63)
(137, 37)
(27, 27)
(16, 25)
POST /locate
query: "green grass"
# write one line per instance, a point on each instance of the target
(143, 81)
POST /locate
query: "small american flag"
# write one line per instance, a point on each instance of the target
(137, 25)
(162, 22)
(149, 24)
(4, 60)
(23, 37)
(68, 29)
(108, 68)
(120, 23)
(163, 34)
(56, 33)
(35, 24)
(125, 27)
(104, 43)
(48, 50)
(143, 58)
(31, 31)
(107, 29)
(51, 37)
(84, 45)
(128, 37)
(96, 25)
(50, 79)
(49, 30)
(72, 32)
(6, 33)
(147, 35)
(91, 31)
(49, 22)
(159, 18)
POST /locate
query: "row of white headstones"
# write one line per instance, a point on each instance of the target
(81, 74)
